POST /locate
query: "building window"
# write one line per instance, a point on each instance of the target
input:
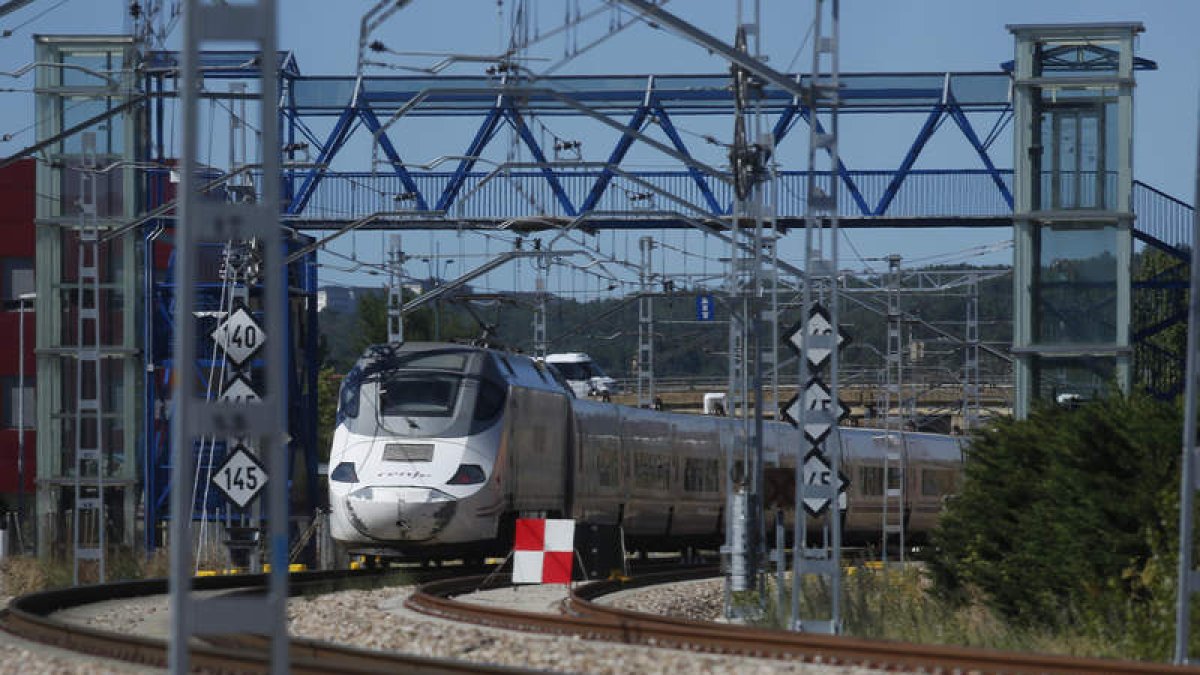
(16, 278)
(1075, 301)
(9, 408)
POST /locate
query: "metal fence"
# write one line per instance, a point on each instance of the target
(527, 193)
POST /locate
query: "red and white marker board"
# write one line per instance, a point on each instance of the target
(543, 551)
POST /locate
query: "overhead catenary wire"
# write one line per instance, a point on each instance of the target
(8, 32)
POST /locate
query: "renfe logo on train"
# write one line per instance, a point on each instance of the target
(241, 477)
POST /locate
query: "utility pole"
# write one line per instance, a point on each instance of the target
(90, 459)
(260, 420)
(645, 353)
(542, 264)
(22, 308)
(971, 376)
(750, 156)
(820, 268)
(1189, 576)
(395, 290)
(893, 441)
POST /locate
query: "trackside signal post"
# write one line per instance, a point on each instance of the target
(1189, 577)
(819, 408)
(259, 420)
(1072, 208)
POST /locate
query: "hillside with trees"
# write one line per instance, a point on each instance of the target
(607, 329)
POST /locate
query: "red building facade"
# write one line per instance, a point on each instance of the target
(17, 245)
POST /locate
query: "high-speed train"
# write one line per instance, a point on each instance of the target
(439, 447)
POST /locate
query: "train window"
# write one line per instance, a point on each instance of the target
(489, 400)
(608, 468)
(573, 371)
(558, 377)
(507, 365)
(871, 480)
(651, 471)
(437, 361)
(700, 475)
(429, 395)
(893, 478)
(348, 395)
(938, 482)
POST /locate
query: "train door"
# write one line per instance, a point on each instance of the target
(650, 508)
(938, 461)
(698, 499)
(599, 491)
(538, 446)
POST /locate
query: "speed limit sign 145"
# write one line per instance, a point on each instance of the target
(241, 477)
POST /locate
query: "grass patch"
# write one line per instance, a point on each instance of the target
(898, 603)
(20, 575)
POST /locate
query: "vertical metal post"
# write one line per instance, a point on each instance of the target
(264, 422)
(820, 266)
(1189, 578)
(645, 358)
(89, 380)
(748, 156)
(539, 313)
(395, 290)
(25, 297)
(833, 520)
(893, 452)
(971, 378)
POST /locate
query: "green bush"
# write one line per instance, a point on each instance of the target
(1069, 519)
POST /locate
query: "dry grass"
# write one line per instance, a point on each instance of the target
(896, 604)
(20, 575)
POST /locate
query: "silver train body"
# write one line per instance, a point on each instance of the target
(438, 447)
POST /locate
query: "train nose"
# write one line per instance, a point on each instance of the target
(400, 513)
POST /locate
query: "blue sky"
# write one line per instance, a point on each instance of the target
(877, 35)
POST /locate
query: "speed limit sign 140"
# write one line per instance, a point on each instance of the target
(239, 336)
(241, 477)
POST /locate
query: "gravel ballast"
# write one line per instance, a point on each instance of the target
(377, 619)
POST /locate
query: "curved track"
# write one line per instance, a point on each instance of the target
(29, 617)
(589, 620)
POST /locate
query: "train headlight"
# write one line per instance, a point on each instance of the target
(344, 473)
(467, 474)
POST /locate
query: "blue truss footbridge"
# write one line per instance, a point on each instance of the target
(468, 188)
(465, 189)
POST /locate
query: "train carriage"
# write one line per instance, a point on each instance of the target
(439, 446)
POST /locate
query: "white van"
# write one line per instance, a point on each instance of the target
(585, 377)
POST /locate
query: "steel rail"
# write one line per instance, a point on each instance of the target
(589, 620)
(29, 617)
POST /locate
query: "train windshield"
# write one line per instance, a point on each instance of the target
(579, 371)
(420, 395)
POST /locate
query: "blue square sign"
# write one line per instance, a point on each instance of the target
(704, 308)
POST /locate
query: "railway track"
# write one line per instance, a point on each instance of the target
(30, 617)
(589, 620)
